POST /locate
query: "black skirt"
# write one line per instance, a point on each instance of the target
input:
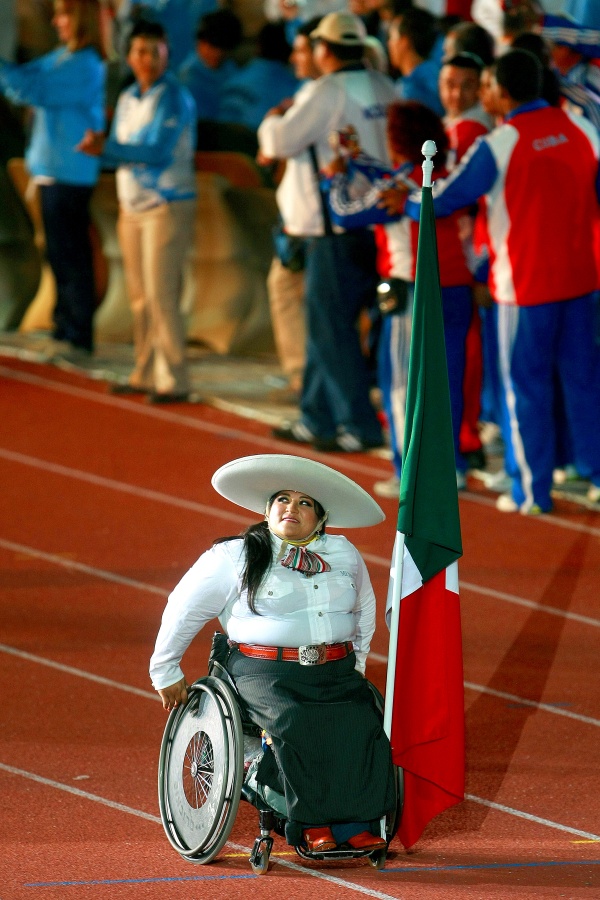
(330, 756)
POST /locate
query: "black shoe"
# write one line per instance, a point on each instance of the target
(123, 389)
(345, 442)
(476, 459)
(326, 445)
(156, 397)
(296, 432)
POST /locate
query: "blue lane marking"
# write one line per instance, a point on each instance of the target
(516, 865)
(137, 880)
(411, 869)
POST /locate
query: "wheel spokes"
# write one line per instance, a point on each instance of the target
(198, 769)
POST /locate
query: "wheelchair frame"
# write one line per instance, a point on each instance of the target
(199, 798)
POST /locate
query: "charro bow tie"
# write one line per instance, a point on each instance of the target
(306, 561)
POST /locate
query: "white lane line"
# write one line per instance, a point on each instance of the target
(122, 486)
(499, 807)
(72, 564)
(79, 673)
(377, 657)
(521, 701)
(341, 461)
(58, 785)
(121, 807)
(332, 879)
(529, 604)
(207, 510)
(371, 469)
(513, 698)
(501, 595)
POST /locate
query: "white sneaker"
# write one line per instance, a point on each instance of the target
(593, 494)
(505, 503)
(491, 437)
(389, 488)
(565, 474)
(498, 481)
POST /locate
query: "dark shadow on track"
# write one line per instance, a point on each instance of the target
(493, 729)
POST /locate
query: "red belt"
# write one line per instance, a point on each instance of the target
(308, 655)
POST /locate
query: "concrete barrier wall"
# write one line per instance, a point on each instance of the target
(224, 296)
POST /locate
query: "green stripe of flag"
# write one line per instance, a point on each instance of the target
(428, 513)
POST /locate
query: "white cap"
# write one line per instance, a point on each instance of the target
(340, 28)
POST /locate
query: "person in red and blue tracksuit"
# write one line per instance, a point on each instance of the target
(539, 175)
(354, 197)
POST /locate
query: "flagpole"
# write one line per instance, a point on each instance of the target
(428, 150)
(396, 576)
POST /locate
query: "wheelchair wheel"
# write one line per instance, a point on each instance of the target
(377, 859)
(261, 852)
(200, 771)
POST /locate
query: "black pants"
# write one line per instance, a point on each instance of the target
(330, 756)
(65, 211)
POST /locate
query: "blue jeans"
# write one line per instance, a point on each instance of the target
(65, 211)
(341, 280)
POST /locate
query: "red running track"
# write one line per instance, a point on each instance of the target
(105, 503)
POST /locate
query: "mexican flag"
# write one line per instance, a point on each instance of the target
(424, 713)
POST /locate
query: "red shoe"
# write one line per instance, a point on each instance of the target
(318, 839)
(366, 841)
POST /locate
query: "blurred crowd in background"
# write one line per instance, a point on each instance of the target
(333, 99)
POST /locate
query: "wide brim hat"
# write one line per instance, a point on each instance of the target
(251, 481)
(340, 28)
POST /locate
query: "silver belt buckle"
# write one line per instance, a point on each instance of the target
(312, 654)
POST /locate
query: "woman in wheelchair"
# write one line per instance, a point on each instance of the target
(298, 609)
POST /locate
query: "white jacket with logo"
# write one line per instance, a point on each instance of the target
(351, 96)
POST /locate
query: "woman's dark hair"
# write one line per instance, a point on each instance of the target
(409, 125)
(258, 550)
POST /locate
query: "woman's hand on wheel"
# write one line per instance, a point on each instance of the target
(174, 695)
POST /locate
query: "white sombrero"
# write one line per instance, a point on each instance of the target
(251, 480)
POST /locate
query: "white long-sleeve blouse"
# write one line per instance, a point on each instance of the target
(293, 609)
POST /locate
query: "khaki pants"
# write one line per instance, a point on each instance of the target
(154, 244)
(286, 302)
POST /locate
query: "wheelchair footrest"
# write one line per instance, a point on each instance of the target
(338, 853)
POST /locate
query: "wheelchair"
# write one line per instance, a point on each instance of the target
(208, 755)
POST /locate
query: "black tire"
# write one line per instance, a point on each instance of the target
(201, 769)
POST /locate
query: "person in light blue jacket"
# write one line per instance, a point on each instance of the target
(206, 71)
(66, 89)
(152, 142)
(262, 83)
